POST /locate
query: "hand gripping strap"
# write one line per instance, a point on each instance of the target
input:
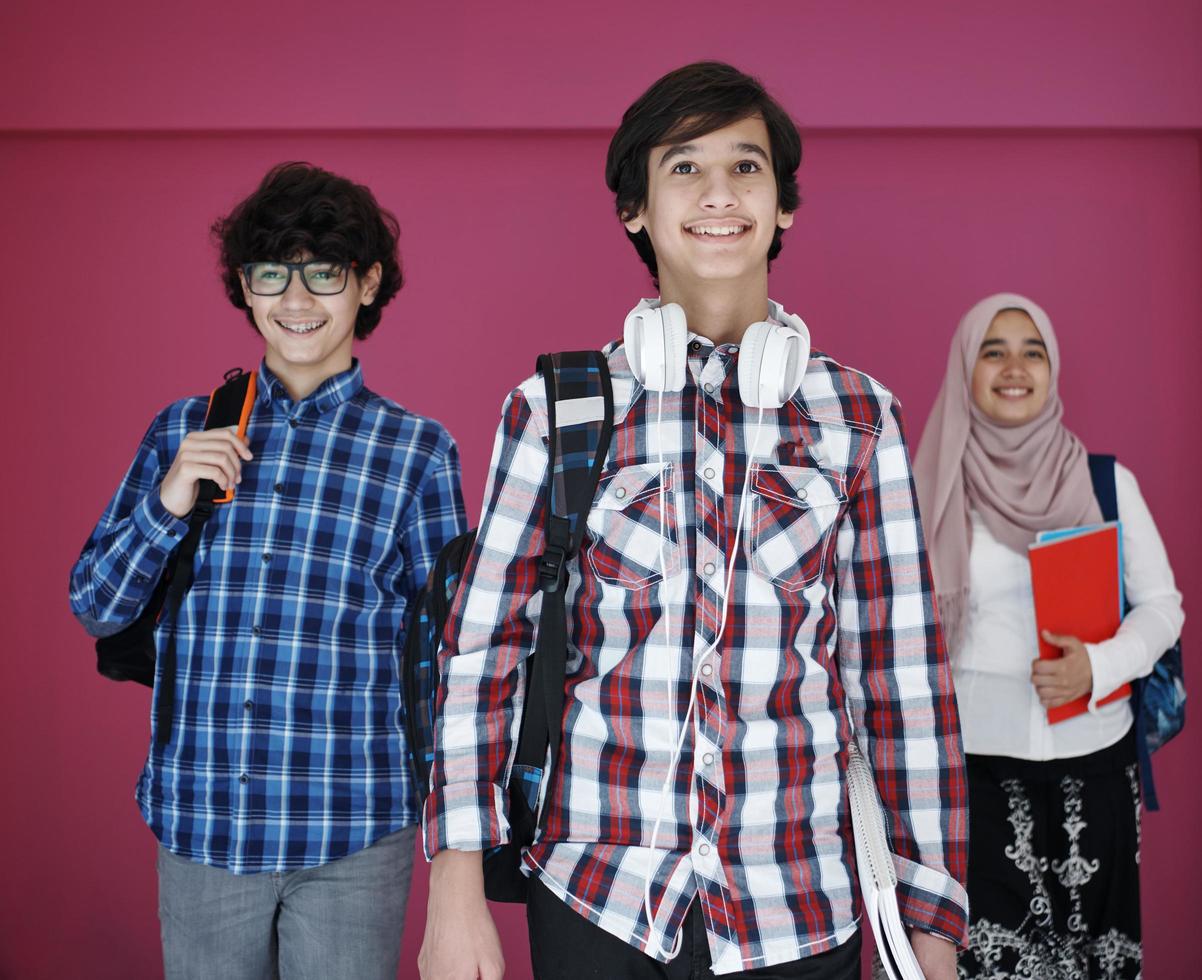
(229, 405)
(580, 411)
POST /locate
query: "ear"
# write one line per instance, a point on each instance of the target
(634, 225)
(246, 293)
(369, 284)
(784, 219)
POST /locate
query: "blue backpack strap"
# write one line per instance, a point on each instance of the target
(1101, 473)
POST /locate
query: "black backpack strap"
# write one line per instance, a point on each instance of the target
(229, 405)
(580, 414)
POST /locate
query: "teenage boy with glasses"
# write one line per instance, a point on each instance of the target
(281, 795)
(748, 572)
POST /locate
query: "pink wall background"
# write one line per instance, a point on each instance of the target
(951, 151)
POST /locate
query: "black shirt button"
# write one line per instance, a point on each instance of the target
(248, 704)
(257, 630)
(171, 532)
(279, 488)
(294, 422)
(266, 556)
(244, 779)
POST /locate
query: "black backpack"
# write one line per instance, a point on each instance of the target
(130, 654)
(580, 413)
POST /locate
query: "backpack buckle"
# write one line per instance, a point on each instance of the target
(550, 568)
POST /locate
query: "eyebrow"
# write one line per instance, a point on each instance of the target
(998, 342)
(682, 149)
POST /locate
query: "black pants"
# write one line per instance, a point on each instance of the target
(564, 944)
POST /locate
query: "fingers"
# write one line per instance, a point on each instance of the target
(222, 450)
(1063, 641)
(223, 437)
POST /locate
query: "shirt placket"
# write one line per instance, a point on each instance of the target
(708, 798)
(253, 789)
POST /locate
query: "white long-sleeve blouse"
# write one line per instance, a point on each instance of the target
(1000, 711)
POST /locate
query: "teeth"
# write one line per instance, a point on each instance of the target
(301, 327)
(717, 231)
(1013, 391)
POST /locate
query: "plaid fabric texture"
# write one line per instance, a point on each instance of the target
(832, 606)
(287, 749)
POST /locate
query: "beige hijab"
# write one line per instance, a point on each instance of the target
(1021, 479)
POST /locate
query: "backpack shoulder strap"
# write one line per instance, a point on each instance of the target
(229, 405)
(580, 416)
(1101, 473)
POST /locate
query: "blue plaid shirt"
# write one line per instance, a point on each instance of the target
(287, 749)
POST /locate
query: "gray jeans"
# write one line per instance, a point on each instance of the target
(342, 919)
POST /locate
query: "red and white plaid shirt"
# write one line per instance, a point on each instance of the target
(832, 608)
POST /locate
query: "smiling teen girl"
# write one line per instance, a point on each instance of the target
(1053, 876)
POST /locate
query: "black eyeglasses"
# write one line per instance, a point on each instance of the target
(320, 276)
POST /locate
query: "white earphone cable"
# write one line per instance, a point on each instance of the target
(674, 762)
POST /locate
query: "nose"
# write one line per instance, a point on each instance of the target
(717, 192)
(1014, 367)
(296, 296)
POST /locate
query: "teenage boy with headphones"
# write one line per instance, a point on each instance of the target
(753, 568)
(281, 793)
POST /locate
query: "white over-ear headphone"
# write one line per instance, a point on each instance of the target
(772, 360)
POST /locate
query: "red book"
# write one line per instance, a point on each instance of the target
(1077, 582)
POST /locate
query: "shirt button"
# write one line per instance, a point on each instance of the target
(709, 388)
(709, 473)
(266, 556)
(244, 779)
(620, 492)
(695, 345)
(709, 568)
(707, 669)
(707, 759)
(703, 849)
(802, 493)
(248, 704)
(171, 532)
(279, 488)
(257, 630)
(294, 422)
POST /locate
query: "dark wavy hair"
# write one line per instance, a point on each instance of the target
(684, 104)
(301, 208)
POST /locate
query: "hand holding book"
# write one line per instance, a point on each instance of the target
(1065, 679)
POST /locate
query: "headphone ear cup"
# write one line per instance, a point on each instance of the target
(676, 339)
(772, 363)
(655, 339)
(633, 333)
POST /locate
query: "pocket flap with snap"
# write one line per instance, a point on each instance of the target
(631, 483)
(800, 486)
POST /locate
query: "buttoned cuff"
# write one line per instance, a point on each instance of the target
(464, 817)
(157, 533)
(932, 901)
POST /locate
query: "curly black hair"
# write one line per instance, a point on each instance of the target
(684, 104)
(300, 208)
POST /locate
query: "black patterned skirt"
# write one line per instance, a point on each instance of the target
(1053, 867)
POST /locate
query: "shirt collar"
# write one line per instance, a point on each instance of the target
(331, 393)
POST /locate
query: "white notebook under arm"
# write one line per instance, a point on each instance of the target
(877, 873)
